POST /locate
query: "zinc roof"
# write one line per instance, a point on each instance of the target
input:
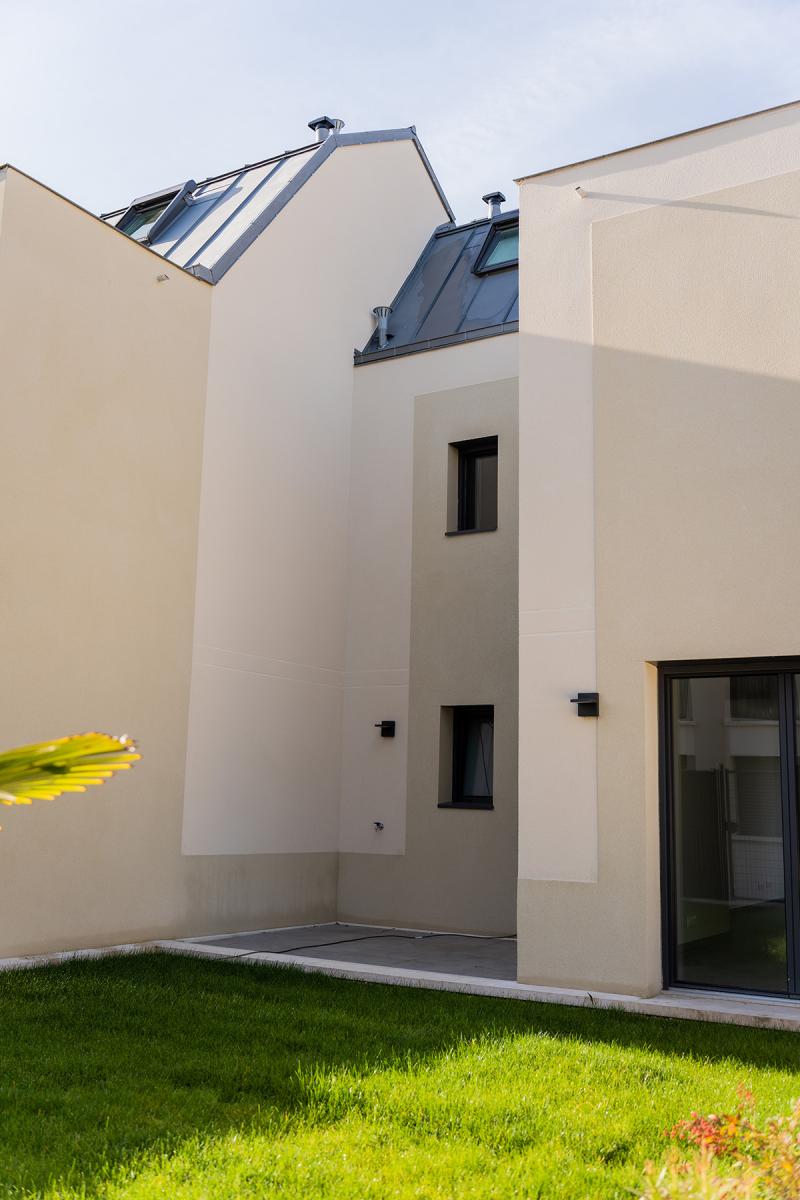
(444, 301)
(208, 225)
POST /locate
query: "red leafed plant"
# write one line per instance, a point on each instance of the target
(731, 1157)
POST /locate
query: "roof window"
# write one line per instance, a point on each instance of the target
(148, 216)
(137, 222)
(500, 249)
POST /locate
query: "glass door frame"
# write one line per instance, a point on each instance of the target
(785, 669)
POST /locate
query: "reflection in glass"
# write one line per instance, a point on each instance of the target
(728, 833)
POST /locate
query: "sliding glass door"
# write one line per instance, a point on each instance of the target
(731, 868)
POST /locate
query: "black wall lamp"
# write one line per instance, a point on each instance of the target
(588, 704)
(386, 728)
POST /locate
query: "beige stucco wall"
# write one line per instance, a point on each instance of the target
(658, 414)
(438, 614)
(269, 660)
(103, 392)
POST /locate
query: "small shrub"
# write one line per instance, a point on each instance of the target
(731, 1157)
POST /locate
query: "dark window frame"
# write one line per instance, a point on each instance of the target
(468, 453)
(461, 715)
(167, 205)
(127, 222)
(497, 229)
(785, 668)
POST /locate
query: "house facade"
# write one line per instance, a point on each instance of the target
(347, 602)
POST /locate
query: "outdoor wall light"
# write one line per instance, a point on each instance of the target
(378, 826)
(386, 728)
(588, 704)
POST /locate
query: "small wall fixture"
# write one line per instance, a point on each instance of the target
(378, 826)
(386, 728)
(588, 704)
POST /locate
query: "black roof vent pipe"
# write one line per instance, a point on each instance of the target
(495, 203)
(382, 314)
(322, 126)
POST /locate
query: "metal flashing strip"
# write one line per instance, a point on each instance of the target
(397, 135)
(234, 215)
(262, 162)
(318, 153)
(205, 211)
(268, 215)
(504, 218)
(363, 358)
(316, 160)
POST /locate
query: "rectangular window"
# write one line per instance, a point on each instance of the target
(473, 757)
(477, 485)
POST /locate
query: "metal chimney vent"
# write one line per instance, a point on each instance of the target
(382, 313)
(495, 202)
(322, 126)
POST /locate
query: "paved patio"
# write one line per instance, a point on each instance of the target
(407, 949)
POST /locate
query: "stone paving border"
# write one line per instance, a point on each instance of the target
(685, 1005)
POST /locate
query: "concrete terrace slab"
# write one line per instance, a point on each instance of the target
(405, 949)
(282, 941)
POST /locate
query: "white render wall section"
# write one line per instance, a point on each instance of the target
(264, 756)
(374, 770)
(557, 768)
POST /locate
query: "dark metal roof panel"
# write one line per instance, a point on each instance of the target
(443, 300)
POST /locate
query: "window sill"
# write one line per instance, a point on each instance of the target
(467, 804)
(463, 532)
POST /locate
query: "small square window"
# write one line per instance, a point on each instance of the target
(476, 500)
(472, 757)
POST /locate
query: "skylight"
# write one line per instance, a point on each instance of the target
(138, 223)
(501, 249)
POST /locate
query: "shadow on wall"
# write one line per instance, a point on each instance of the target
(658, 505)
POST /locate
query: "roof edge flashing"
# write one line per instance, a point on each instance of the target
(321, 152)
(405, 134)
(363, 358)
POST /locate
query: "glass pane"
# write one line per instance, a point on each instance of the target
(486, 491)
(141, 222)
(505, 248)
(478, 757)
(754, 698)
(728, 833)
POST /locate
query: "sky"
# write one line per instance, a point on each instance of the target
(107, 102)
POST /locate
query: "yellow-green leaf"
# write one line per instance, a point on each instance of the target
(69, 764)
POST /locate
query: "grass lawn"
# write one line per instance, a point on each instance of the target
(151, 1075)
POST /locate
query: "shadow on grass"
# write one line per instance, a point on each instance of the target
(104, 1061)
